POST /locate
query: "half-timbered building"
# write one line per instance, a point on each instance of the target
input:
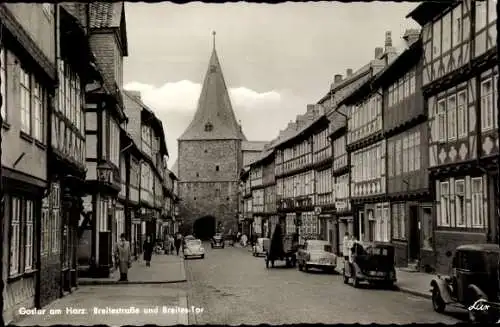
(322, 164)
(459, 83)
(405, 130)
(28, 66)
(104, 117)
(295, 177)
(337, 129)
(246, 199)
(257, 187)
(263, 185)
(62, 208)
(367, 151)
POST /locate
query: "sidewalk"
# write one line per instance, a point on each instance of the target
(415, 283)
(92, 305)
(164, 269)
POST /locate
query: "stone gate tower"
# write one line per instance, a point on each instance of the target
(210, 158)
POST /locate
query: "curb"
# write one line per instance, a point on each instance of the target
(115, 282)
(414, 292)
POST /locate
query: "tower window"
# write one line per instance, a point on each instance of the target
(227, 198)
(194, 198)
(197, 175)
(216, 168)
(206, 151)
(209, 127)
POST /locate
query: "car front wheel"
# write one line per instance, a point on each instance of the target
(437, 300)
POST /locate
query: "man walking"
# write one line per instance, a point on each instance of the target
(123, 257)
(178, 243)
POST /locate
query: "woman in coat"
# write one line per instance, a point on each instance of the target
(148, 247)
(123, 257)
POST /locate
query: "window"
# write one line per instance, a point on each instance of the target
(412, 82)
(15, 236)
(445, 204)
(457, 26)
(477, 203)
(487, 105)
(390, 159)
(22, 234)
(481, 13)
(397, 155)
(25, 90)
(3, 80)
(209, 127)
(398, 218)
(417, 158)
(446, 42)
(38, 114)
(452, 117)
(460, 203)
(45, 244)
(462, 114)
(436, 39)
(406, 149)
(55, 217)
(441, 116)
(216, 168)
(29, 232)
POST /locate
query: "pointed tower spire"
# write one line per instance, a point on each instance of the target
(214, 118)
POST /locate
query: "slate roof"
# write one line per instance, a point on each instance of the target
(105, 14)
(253, 145)
(175, 168)
(214, 109)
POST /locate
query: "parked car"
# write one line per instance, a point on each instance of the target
(194, 248)
(372, 263)
(473, 283)
(316, 254)
(217, 241)
(259, 248)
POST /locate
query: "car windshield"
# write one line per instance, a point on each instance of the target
(194, 243)
(319, 246)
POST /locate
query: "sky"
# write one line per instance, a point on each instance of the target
(276, 59)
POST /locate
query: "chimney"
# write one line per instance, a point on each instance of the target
(379, 51)
(349, 72)
(337, 78)
(411, 36)
(388, 40)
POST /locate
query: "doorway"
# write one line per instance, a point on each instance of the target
(204, 227)
(414, 239)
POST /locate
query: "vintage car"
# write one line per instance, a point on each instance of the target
(217, 241)
(316, 254)
(194, 248)
(372, 263)
(259, 249)
(473, 283)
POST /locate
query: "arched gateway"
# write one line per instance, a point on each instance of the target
(204, 228)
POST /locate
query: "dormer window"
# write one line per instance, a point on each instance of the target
(209, 127)
(213, 68)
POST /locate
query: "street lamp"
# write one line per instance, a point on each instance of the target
(105, 174)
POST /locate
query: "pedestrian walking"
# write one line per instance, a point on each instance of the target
(148, 247)
(178, 243)
(123, 259)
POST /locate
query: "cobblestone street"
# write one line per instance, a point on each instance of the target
(234, 288)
